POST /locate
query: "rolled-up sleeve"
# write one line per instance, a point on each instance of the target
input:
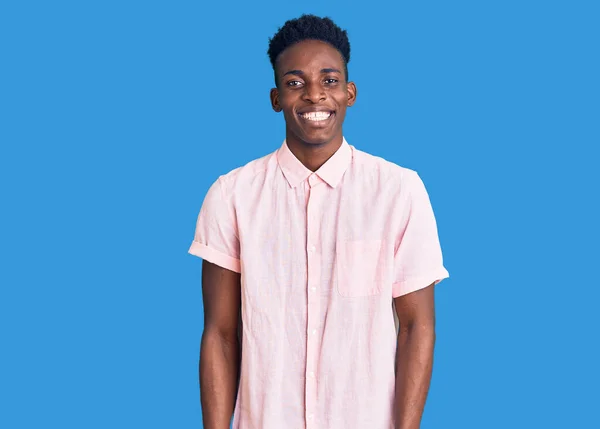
(216, 237)
(418, 258)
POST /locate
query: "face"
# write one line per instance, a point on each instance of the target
(312, 92)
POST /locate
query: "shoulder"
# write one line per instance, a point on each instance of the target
(246, 173)
(383, 170)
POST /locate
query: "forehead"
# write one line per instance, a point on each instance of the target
(310, 54)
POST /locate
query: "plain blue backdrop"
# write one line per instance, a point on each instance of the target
(117, 116)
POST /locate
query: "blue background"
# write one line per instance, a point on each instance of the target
(117, 116)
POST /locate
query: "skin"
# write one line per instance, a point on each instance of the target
(414, 357)
(219, 350)
(310, 77)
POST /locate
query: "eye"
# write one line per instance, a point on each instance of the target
(294, 83)
(331, 80)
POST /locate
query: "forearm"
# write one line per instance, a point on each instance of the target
(414, 367)
(219, 366)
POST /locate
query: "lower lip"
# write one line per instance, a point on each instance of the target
(317, 124)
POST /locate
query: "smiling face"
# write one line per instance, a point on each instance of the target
(312, 92)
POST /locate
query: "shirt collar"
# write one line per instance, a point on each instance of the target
(331, 172)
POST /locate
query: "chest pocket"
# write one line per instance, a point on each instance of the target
(360, 266)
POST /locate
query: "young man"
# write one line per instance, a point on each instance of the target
(317, 252)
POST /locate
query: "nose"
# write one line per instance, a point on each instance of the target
(314, 93)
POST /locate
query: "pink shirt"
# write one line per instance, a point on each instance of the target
(321, 256)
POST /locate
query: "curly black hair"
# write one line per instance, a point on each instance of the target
(309, 27)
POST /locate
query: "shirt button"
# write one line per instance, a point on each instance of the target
(312, 249)
(311, 416)
(314, 332)
(314, 288)
(312, 374)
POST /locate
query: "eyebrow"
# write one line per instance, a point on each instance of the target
(300, 72)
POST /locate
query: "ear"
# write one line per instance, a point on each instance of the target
(351, 89)
(275, 100)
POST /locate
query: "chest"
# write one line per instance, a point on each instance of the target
(336, 242)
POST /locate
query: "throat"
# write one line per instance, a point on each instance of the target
(313, 155)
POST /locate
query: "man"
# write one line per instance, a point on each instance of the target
(318, 250)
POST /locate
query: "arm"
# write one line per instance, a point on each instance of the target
(414, 358)
(219, 351)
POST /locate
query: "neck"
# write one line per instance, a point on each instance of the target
(312, 155)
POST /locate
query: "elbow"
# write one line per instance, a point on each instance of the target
(421, 324)
(226, 337)
(421, 330)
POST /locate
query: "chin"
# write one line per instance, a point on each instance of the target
(317, 139)
(314, 137)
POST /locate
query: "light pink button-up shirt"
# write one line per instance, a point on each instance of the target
(321, 256)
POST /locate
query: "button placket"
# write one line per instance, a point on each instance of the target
(313, 277)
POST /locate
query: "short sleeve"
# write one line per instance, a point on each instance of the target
(418, 256)
(216, 237)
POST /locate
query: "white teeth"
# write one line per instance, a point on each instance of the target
(316, 116)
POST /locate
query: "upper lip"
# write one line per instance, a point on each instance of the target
(315, 109)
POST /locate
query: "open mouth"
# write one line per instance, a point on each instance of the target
(316, 117)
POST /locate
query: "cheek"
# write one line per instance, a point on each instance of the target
(287, 106)
(342, 103)
(288, 114)
(342, 99)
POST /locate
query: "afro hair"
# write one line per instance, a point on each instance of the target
(309, 27)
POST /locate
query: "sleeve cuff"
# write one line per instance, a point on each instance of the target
(218, 258)
(415, 283)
